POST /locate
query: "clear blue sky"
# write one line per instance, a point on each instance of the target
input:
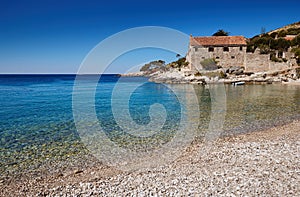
(55, 36)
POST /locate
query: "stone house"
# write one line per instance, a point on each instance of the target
(226, 50)
(230, 51)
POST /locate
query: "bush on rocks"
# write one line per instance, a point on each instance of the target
(209, 64)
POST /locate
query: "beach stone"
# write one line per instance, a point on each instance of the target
(257, 164)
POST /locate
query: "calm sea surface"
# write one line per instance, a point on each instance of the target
(37, 123)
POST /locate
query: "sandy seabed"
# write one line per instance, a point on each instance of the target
(264, 163)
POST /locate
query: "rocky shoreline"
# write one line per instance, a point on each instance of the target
(226, 76)
(257, 163)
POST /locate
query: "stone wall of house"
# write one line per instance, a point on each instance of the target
(256, 62)
(195, 56)
(226, 59)
(274, 66)
(236, 56)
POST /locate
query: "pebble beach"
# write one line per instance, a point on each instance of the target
(264, 163)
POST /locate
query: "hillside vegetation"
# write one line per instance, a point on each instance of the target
(287, 28)
(155, 66)
(277, 40)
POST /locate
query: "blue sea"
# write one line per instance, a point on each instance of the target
(37, 112)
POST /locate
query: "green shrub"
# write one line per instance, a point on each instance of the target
(250, 48)
(298, 73)
(209, 64)
(159, 64)
(296, 51)
(280, 44)
(282, 33)
(275, 59)
(181, 62)
(293, 31)
(222, 75)
(198, 74)
(145, 67)
(274, 34)
(297, 54)
(296, 41)
(264, 49)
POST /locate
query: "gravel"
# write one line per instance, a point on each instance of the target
(262, 163)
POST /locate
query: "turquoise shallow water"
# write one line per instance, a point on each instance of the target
(36, 112)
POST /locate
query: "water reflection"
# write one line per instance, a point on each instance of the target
(248, 108)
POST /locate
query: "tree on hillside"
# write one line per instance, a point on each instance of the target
(296, 41)
(221, 32)
(158, 64)
(280, 44)
(274, 35)
(263, 30)
(282, 33)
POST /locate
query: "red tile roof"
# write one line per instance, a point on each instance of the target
(218, 41)
(290, 37)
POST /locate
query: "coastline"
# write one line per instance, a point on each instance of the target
(269, 158)
(227, 76)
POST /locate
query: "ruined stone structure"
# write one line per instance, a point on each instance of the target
(256, 62)
(230, 51)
